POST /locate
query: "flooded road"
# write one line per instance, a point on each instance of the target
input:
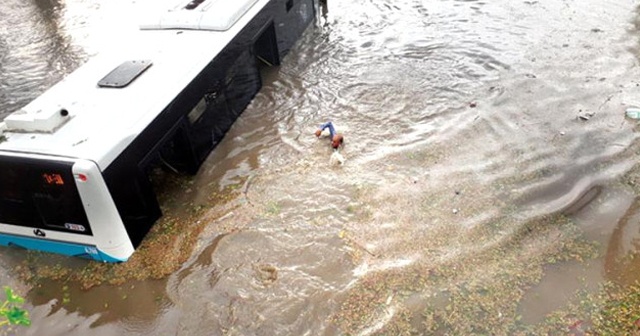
(490, 183)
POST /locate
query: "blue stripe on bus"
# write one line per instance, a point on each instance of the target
(70, 249)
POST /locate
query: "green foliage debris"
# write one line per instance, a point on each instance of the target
(11, 311)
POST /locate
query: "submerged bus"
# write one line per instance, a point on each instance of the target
(74, 163)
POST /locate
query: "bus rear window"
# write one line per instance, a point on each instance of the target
(40, 194)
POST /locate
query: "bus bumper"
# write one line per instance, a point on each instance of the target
(52, 246)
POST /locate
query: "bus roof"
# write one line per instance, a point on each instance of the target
(77, 118)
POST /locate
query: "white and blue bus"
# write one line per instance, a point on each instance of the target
(74, 163)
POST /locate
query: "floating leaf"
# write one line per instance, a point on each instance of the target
(11, 296)
(18, 316)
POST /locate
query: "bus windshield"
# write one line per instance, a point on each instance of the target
(40, 194)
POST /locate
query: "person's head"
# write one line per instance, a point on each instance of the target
(337, 140)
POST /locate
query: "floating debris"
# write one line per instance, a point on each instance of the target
(337, 158)
(266, 274)
(633, 113)
(585, 115)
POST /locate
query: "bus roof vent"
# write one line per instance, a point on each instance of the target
(37, 120)
(216, 15)
(124, 74)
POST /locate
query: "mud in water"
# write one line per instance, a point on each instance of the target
(489, 185)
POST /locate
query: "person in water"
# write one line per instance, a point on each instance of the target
(336, 138)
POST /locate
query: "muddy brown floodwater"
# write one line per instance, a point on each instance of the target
(490, 185)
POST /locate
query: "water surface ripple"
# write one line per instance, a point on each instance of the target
(487, 156)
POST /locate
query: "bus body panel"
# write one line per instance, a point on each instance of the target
(58, 247)
(108, 230)
(44, 234)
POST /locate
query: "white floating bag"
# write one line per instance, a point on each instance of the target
(337, 158)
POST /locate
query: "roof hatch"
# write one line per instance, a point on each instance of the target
(217, 15)
(124, 74)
